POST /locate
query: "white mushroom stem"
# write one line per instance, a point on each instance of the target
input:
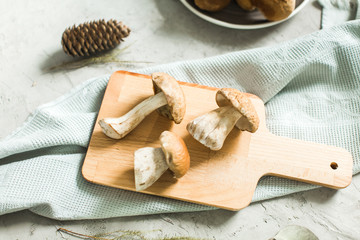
(149, 165)
(118, 128)
(211, 129)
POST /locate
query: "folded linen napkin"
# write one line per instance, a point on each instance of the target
(311, 86)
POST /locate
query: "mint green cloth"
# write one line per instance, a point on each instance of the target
(336, 12)
(311, 86)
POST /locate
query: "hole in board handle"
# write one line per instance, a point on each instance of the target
(334, 165)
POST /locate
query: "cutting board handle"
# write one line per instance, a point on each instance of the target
(309, 162)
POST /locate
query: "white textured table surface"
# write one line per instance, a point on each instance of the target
(162, 31)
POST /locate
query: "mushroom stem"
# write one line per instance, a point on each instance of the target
(118, 128)
(149, 165)
(212, 128)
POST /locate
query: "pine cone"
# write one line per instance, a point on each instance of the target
(91, 38)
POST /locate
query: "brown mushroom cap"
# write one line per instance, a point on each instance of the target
(176, 153)
(275, 10)
(212, 5)
(176, 107)
(246, 4)
(233, 97)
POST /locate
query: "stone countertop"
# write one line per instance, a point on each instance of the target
(162, 31)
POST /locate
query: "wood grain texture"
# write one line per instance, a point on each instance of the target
(226, 178)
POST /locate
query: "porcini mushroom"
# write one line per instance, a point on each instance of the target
(150, 163)
(169, 99)
(246, 4)
(235, 108)
(212, 5)
(275, 10)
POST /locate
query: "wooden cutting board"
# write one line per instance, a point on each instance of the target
(226, 178)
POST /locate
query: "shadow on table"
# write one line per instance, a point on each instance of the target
(59, 61)
(54, 59)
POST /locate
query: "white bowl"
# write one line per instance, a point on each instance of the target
(254, 19)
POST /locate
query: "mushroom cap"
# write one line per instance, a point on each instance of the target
(275, 10)
(239, 100)
(176, 153)
(176, 107)
(212, 5)
(246, 4)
